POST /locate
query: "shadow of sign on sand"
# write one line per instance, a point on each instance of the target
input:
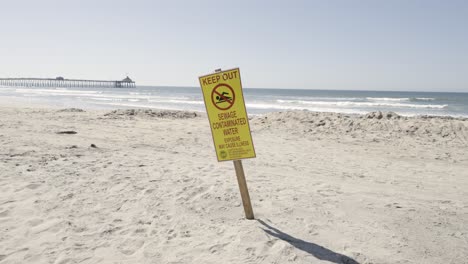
(311, 248)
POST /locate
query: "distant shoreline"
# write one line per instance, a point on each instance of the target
(258, 101)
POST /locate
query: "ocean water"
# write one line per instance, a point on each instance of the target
(258, 101)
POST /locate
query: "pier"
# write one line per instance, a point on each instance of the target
(66, 83)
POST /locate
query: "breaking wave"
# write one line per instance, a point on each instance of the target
(387, 99)
(362, 104)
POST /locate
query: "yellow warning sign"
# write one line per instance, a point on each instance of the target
(224, 102)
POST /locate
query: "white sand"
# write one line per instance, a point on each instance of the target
(325, 188)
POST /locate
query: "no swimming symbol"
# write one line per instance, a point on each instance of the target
(223, 96)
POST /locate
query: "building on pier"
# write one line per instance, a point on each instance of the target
(66, 83)
(125, 83)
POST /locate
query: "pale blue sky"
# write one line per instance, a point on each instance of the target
(362, 45)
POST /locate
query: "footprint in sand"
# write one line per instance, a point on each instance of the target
(130, 246)
(171, 234)
(152, 251)
(4, 213)
(329, 192)
(50, 226)
(33, 186)
(216, 248)
(35, 222)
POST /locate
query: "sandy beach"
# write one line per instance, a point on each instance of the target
(144, 186)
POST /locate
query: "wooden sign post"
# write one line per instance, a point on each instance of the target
(225, 106)
(244, 191)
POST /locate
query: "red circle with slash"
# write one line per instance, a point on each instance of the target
(221, 95)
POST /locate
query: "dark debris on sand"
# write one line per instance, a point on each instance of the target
(380, 115)
(71, 110)
(67, 132)
(151, 113)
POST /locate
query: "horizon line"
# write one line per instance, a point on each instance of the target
(312, 89)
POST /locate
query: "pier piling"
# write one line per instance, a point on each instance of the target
(66, 83)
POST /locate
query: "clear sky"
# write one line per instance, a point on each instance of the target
(359, 45)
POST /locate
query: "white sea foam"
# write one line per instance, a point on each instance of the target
(52, 91)
(104, 99)
(94, 95)
(425, 99)
(387, 99)
(319, 98)
(308, 108)
(64, 92)
(147, 97)
(362, 104)
(153, 107)
(175, 101)
(186, 102)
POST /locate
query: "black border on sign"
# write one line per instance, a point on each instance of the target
(245, 109)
